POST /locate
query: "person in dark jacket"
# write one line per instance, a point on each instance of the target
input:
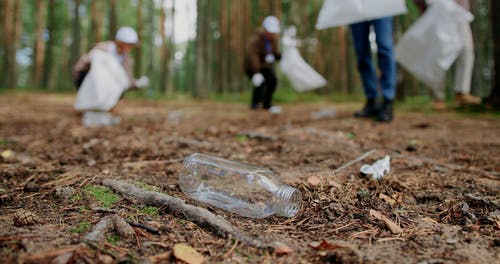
(262, 52)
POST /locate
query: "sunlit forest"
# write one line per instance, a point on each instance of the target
(42, 39)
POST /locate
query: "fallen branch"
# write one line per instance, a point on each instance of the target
(99, 232)
(179, 208)
(143, 226)
(362, 157)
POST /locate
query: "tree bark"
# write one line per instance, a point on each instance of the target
(96, 24)
(138, 49)
(76, 34)
(10, 56)
(495, 23)
(38, 53)
(178, 207)
(112, 26)
(48, 60)
(164, 50)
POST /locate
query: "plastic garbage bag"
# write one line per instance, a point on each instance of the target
(104, 84)
(344, 12)
(99, 119)
(302, 76)
(377, 169)
(432, 44)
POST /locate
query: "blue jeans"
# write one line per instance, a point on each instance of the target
(386, 58)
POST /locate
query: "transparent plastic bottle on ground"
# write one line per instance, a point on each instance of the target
(240, 188)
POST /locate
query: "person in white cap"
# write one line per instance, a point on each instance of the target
(261, 54)
(125, 40)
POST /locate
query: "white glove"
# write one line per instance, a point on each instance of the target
(270, 58)
(142, 82)
(257, 79)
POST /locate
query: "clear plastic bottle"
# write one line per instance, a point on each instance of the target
(243, 189)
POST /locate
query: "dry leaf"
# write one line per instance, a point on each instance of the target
(325, 245)
(7, 154)
(393, 227)
(188, 254)
(282, 249)
(314, 180)
(387, 199)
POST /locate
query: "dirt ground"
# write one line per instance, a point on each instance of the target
(443, 190)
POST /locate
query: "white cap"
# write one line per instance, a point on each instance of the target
(127, 35)
(271, 24)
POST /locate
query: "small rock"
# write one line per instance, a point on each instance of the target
(91, 162)
(31, 187)
(65, 192)
(105, 259)
(451, 241)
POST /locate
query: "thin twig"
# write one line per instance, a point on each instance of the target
(143, 226)
(230, 250)
(352, 162)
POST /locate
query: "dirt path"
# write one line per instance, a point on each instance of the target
(443, 189)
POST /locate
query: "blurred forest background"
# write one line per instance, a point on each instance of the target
(42, 39)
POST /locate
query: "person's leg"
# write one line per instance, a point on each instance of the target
(387, 65)
(386, 57)
(270, 84)
(464, 68)
(360, 33)
(256, 95)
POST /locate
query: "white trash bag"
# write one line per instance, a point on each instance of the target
(104, 84)
(377, 169)
(344, 12)
(302, 76)
(432, 44)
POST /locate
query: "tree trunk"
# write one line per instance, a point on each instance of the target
(38, 53)
(76, 36)
(97, 20)
(495, 23)
(200, 89)
(51, 28)
(112, 19)
(10, 56)
(2, 39)
(150, 42)
(138, 49)
(164, 50)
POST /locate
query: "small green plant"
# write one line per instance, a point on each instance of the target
(81, 228)
(147, 187)
(102, 195)
(149, 210)
(5, 141)
(242, 138)
(75, 198)
(113, 239)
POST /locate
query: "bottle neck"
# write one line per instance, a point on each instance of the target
(287, 201)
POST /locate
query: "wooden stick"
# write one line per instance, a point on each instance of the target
(101, 228)
(143, 226)
(352, 162)
(178, 207)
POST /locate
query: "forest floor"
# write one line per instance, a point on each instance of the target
(440, 203)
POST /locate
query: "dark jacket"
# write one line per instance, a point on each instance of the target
(256, 53)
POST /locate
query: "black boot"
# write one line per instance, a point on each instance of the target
(370, 109)
(386, 114)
